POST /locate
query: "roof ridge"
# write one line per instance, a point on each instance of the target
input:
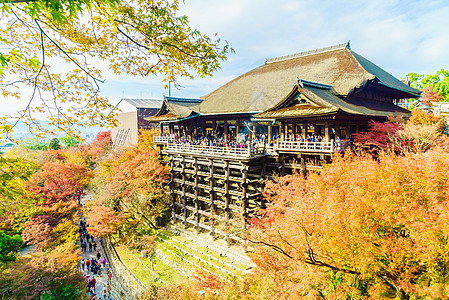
(306, 53)
(181, 99)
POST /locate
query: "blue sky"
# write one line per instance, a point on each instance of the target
(398, 35)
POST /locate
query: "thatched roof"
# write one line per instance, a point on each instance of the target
(263, 87)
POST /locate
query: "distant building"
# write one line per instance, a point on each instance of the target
(131, 119)
(441, 109)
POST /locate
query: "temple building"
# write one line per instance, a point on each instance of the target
(292, 113)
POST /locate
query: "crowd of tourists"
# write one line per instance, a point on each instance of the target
(219, 140)
(241, 141)
(95, 265)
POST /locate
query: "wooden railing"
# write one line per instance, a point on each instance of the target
(290, 146)
(214, 150)
(320, 147)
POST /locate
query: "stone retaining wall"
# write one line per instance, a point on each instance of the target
(131, 287)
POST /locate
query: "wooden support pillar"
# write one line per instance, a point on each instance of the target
(304, 130)
(282, 132)
(197, 200)
(170, 128)
(294, 131)
(270, 132)
(348, 130)
(227, 195)
(184, 196)
(326, 131)
(337, 130)
(203, 127)
(237, 130)
(214, 128)
(225, 130)
(357, 128)
(172, 188)
(212, 194)
(244, 194)
(162, 128)
(254, 131)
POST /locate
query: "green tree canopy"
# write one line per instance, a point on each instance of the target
(69, 141)
(54, 144)
(9, 246)
(438, 81)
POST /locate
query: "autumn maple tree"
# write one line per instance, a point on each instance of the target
(137, 37)
(421, 132)
(129, 191)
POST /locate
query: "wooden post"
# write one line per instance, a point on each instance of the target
(172, 188)
(270, 132)
(225, 130)
(348, 130)
(197, 200)
(237, 129)
(211, 185)
(245, 198)
(357, 128)
(294, 131)
(254, 131)
(282, 132)
(203, 127)
(326, 131)
(337, 130)
(170, 128)
(304, 130)
(214, 128)
(227, 196)
(244, 193)
(184, 197)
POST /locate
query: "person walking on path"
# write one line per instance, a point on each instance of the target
(88, 265)
(98, 255)
(93, 282)
(90, 247)
(95, 246)
(82, 264)
(109, 277)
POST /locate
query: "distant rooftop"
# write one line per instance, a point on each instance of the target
(178, 99)
(143, 103)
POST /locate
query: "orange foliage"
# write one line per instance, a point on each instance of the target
(34, 277)
(429, 95)
(422, 132)
(57, 181)
(133, 184)
(363, 228)
(102, 220)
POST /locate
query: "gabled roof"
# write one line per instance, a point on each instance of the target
(174, 108)
(261, 88)
(313, 99)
